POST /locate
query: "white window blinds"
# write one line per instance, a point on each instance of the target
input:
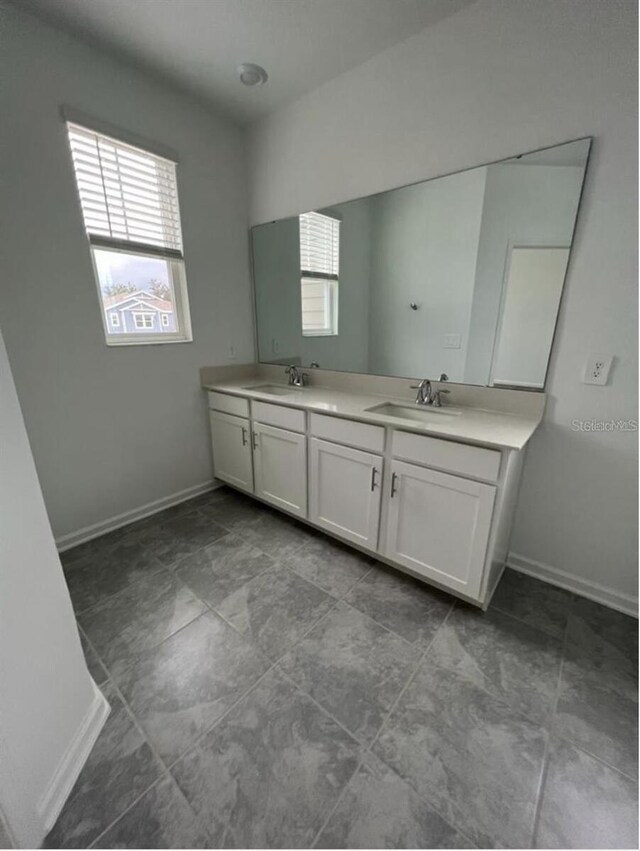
(127, 194)
(319, 245)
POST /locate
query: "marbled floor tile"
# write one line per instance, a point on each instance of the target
(507, 658)
(232, 509)
(222, 568)
(402, 604)
(180, 688)
(277, 535)
(379, 810)
(119, 769)
(468, 754)
(598, 699)
(100, 545)
(275, 609)
(162, 818)
(95, 666)
(585, 804)
(139, 618)
(536, 603)
(102, 573)
(268, 775)
(596, 716)
(608, 637)
(353, 667)
(333, 566)
(180, 536)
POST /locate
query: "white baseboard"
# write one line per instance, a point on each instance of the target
(87, 533)
(583, 587)
(73, 761)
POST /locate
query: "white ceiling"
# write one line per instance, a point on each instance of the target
(199, 43)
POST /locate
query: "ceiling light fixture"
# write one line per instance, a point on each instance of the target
(251, 74)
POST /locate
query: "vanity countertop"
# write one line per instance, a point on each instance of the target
(470, 425)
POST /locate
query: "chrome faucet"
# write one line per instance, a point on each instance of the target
(423, 396)
(426, 395)
(296, 378)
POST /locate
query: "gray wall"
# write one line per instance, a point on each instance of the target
(424, 246)
(499, 78)
(111, 428)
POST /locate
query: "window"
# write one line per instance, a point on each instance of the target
(143, 320)
(319, 269)
(165, 320)
(129, 200)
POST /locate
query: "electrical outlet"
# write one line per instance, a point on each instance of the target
(596, 370)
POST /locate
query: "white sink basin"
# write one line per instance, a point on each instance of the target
(407, 412)
(272, 389)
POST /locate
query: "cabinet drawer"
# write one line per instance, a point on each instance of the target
(228, 404)
(278, 415)
(347, 431)
(473, 461)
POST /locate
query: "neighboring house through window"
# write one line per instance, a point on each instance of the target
(319, 271)
(129, 201)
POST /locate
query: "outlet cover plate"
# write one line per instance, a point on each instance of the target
(596, 370)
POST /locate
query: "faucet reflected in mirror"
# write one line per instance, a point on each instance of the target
(479, 256)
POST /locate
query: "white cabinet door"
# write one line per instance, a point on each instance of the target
(231, 441)
(438, 525)
(344, 492)
(280, 465)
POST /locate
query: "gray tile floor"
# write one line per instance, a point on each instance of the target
(271, 688)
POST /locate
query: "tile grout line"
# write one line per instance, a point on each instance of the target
(169, 568)
(545, 757)
(151, 571)
(245, 693)
(164, 769)
(130, 807)
(558, 638)
(566, 739)
(596, 758)
(368, 749)
(83, 633)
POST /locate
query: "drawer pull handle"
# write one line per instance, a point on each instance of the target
(255, 440)
(244, 436)
(374, 484)
(394, 489)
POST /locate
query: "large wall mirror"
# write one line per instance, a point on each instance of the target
(461, 274)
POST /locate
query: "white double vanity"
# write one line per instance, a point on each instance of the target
(460, 277)
(431, 491)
